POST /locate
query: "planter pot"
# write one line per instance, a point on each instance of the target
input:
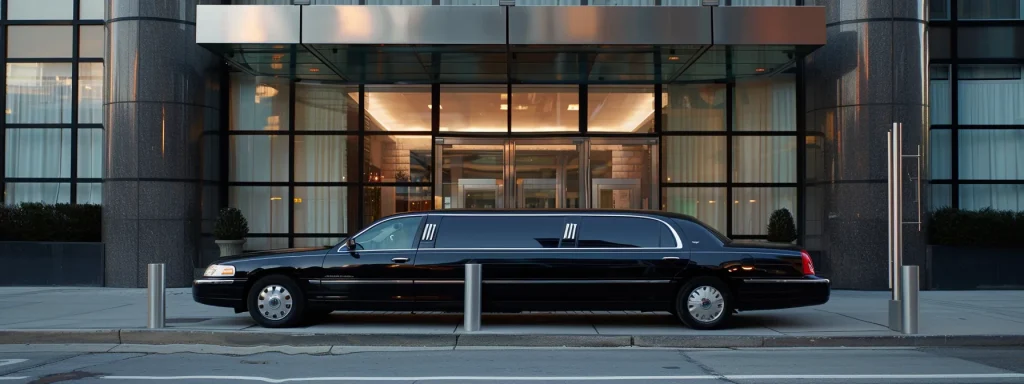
(29, 263)
(966, 268)
(230, 247)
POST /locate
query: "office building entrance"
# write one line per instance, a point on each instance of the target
(484, 173)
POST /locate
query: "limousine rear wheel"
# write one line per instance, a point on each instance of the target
(704, 303)
(276, 302)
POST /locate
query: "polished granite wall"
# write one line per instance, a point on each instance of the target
(162, 94)
(871, 72)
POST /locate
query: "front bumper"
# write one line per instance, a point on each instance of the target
(219, 292)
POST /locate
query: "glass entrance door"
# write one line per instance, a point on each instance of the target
(479, 173)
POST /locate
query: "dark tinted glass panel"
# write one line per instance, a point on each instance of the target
(500, 232)
(701, 234)
(619, 232)
(667, 239)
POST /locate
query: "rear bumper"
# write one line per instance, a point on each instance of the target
(757, 294)
(219, 292)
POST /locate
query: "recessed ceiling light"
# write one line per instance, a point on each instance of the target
(759, 70)
(673, 58)
(522, 107)
(504, 107)
(314, 70)
(431, 106)
(574, 107)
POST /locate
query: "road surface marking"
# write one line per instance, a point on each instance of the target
(591, 378)
(4, 362)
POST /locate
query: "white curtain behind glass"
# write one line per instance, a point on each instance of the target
(991, 154)
(695, 107)
(991, 94)
(706, 204)
(940, 103)
(321, 158)
(38, 152)
(1001, 197)
(546, 2)
(51, 193)
(90, 93)
(38, 93)
(747, 3)
(90, 153)
(752, 207)
(321, 209)
(623, 2)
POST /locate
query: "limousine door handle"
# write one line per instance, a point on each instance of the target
(400, 259)
(670, 258)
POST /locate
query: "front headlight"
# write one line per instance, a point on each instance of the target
(219, 271)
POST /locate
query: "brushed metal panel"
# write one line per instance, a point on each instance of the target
(769, 25)
(248, 24)
(585, 25)
(402, 24)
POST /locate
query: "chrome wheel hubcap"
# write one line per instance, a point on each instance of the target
(705, 304)
(275, 302)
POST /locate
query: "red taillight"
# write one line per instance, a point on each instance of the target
(807, 263)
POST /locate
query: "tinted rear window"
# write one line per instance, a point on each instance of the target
(623, 232)
(499, 232)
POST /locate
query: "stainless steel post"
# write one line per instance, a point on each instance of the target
(471, 312)
(155, 293)
(909, 280)
(897, 207)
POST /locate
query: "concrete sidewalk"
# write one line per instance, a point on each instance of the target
(851, 318)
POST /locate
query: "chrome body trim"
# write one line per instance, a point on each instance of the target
(491, 281)
(364, 281)
(216, 281)
(787, 281)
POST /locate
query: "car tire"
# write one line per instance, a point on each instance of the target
(276, 302)
(704, 303)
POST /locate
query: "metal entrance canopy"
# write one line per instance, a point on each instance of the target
(500, 44)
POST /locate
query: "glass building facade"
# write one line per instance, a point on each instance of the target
(121, 103)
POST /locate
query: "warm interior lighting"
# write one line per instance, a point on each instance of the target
(759, 70)
(265, 91)
(297, 199)
(276, 66)
(753, 201)
(673, 58)
(275, 198)
(574, 107)
(503, 107)
(314, 70)
(432, 107)
(8, 111)
(711, 201)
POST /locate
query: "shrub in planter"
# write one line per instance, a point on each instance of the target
(781, 227)
(985, 228)
(51, 222)
(230, 230)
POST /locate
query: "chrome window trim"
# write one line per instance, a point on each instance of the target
(547, 249)
(216, 281)
(787, 281)
(343, 247)
(491, 281)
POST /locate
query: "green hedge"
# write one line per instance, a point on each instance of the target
(985, 228)
(51, 222)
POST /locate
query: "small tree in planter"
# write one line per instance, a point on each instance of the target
(230, 230)
(781, 227)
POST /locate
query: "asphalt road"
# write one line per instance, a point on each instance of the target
(847, 365)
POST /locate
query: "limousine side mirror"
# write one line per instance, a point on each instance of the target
(351, 245)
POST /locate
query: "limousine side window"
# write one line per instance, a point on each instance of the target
(499, 232)
(393, 234)
(623, 232)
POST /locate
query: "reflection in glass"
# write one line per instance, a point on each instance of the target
(259, 158)
(620, 176)
(258, 103)
(92, 9)
(90, 93)
(940, 102)
(694, 159)
(995, 196)
(547, 2)
(991, 154)
(91, 41)
(398, 108)
(989, 9)
(941, 196)
(475, 108)
(752, 207)
(540, 108)
(764, 159)
(38, 93)
(90, 153)
(38, 41)
(37, 152)
(40, 10)
(699, 107)
(392, 158)
(765, 104)
(326, 158)
(761, 3)
(89, 193)
(990, 94)
(940, 155)
(469, 2)
(380, 201)
(472, 176)
(625, 109)
(266, 208)
(50, 193)
(324, 210)
(706, 204)
(321, 107)
(547, 175)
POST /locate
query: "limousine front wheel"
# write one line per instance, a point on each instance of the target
(704, 303)
(276, 302)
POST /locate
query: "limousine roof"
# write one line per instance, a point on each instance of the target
(554, 211)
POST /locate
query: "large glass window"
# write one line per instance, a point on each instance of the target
(541, 108)
(991, 94)
(266, 208)
(516, 232)
(38, 152)
(324, 210)
(382, 201)
(393, 158)
(708, 205)
(699, 107)
(764, 159)
(619, 232)
(27, 192)
(398, 108)
(90, 153)
(938, 9)
(259, 158)
(620, 109)
(989, 9)
(694, 159)
(40, 9)
(91, 38)
(326, 107)
(90, 93)
(258, 103)
(92, 9)
(765, 104)
(322, 158)
(940, 154)
(995, 196)
(991, 154)
(940, 104)
(38, 93)
(752, 207)
(478, 108)
(39, 41)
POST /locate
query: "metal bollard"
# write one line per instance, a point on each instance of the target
(471, 312)
(909, 288)
(155, 293)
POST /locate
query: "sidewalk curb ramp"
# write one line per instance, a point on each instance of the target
(302, 339)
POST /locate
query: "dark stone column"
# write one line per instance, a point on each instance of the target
(872, 72)
(162, 93)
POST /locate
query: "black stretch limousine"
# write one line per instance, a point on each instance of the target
(531, 260)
